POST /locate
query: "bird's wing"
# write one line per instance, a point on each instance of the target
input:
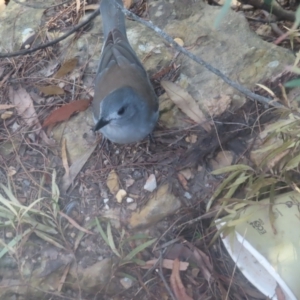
(117, 51)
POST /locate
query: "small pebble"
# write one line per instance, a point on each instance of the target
(9, 235)
(150, 184)
(126, 282)
(106, 207)
(105, 200)
(129, 200)
(187, 195)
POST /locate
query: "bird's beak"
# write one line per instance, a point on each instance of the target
(101, 123)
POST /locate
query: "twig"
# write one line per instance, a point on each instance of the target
(272, 7)
(243, 90)
(43, 46)
(40, 6)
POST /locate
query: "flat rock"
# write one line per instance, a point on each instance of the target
(160, 205)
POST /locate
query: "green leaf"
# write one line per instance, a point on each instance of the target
(278, 151)
(9, 194)
(293, 163)
(258, 184)
(9, 205)
(13, 242)
(292, 83)
(221, 187)
(232, 168)
(111, 242)
(28, 208)
(224, 10)
(101, 231)
(138, 249)
(237, 183)
(297, 21)
(48, 239)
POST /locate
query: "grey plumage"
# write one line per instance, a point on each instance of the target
(125, 106)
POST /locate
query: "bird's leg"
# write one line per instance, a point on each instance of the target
(151, 138)
(104, 142)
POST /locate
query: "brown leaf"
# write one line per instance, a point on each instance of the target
(6, 106)
(176, 283)
(51, 90)
(203, 263)
(65, 157)
(183, 181)
(24, 106)
(76, 168)
(67, 67)
(77, 5)
(186, 103)
(279, 293)
(127, 3)
(162, 72)
(91, 7)
(66, 111)
(75, 224)
(166, 263)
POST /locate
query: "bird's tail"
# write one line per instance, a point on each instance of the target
(112, 17)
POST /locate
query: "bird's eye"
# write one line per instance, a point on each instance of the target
(121, 110)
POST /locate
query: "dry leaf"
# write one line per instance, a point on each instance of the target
(77, 5)
(279, 293)
(266, 89)
(51, 90)
(192, 138)
(24, 106)
(75, 168)
(67, 67)
(127, 3)
(222, 160)
(6, 106)
(66, 111)
(91, 7)
(166, 263)
(204, 264)
(6, 115)
(187, 173)
(183, 181)
(113, 182)
(3, 4)
(179, 41)
(176, 283)
(75, 224)
(186, 103)
(65, 157)
(162, 72)
(11, 171)
(63, 277)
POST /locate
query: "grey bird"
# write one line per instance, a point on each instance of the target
(125, 106)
